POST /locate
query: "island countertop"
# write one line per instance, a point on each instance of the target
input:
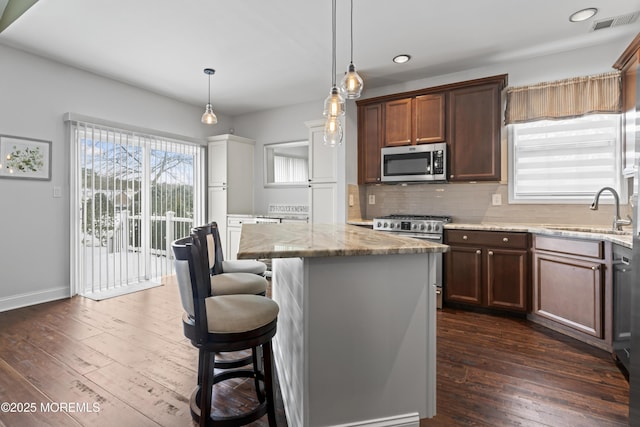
(325, 240)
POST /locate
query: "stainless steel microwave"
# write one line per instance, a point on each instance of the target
(414, 163)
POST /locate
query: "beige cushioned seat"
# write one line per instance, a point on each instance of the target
(239, 313)
(244, 266)
(237, 283)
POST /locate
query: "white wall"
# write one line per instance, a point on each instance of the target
(34, 226)
(277, 125)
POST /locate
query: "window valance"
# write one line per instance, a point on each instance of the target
(562, 99)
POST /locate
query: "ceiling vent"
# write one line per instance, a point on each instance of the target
(616, 21)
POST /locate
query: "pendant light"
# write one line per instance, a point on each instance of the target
(334, 104)
(351, 84)
(209, 118)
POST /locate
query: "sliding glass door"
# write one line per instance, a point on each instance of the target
(134, 194)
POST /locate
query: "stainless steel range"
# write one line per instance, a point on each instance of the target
(426, 227)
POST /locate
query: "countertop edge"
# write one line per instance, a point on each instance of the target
(575, 231)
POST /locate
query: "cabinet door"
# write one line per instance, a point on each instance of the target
(217, 210)
(217, 164)
(233, 242)
(323, 200)
(622, 282)
(398, 118)
(569, 291)
(474, 133)
(369, 143)
(323, 160)
(506, 275)
(429, 118)
(464, 275)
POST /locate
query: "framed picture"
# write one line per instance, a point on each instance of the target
(25, 158)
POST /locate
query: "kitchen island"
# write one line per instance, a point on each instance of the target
(356, 340)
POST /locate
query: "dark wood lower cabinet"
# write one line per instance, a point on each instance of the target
(487, 269)
(572, 288)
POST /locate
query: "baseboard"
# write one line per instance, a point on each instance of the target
(407, 420)
(31, 298)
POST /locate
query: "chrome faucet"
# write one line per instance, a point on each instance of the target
(617, 221)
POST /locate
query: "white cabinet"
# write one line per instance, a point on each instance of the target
(322, 199)
(234, 230)
(323, 176)
(230, 179)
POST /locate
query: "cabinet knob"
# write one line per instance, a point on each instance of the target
(505, 239)
(451, 176)
(595, 267)
(490, 253)
(465, 237)
(478, 252)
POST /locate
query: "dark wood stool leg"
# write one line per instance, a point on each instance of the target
(268, 383)
(205, 389)
(258, 372)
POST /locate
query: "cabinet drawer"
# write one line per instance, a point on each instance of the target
(587, 248)
(238, 221)
(497, 239)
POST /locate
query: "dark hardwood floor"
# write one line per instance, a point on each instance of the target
(125, 362)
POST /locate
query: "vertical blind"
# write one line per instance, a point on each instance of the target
(134, 194)
(290, 169)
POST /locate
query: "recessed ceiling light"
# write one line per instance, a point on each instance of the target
(401, 59)
(583, 15)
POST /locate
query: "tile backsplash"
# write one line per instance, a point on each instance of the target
(472, 203)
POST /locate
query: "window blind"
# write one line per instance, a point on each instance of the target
(565, 160)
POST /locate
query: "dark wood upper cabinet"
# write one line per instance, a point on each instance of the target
(429, 118)
(474, 133)
(628, 64)
(369, 143)
(466, 115)
(398, 122)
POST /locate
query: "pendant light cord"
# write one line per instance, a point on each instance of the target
(209, 89)
(351, 60)
(333, 48)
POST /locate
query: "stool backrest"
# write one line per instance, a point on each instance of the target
(219, 255)
(193, 281)
(211, 246)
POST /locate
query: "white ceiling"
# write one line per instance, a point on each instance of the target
(270, 53)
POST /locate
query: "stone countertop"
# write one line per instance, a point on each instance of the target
(324, 240)
(595, 232)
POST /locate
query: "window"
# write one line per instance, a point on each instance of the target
(564, 161)
(133, 193)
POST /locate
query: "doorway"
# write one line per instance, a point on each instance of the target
(132, 195)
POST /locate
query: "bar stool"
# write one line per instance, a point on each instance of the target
(220, 265)
(222, 324)
(227, 283)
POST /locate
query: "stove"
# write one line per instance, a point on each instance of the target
(420, 224)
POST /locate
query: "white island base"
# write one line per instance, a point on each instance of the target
(356, 340)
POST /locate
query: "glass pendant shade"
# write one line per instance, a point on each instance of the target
(351, 83)
(332, 132)
(209, 118)
(334, 104)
